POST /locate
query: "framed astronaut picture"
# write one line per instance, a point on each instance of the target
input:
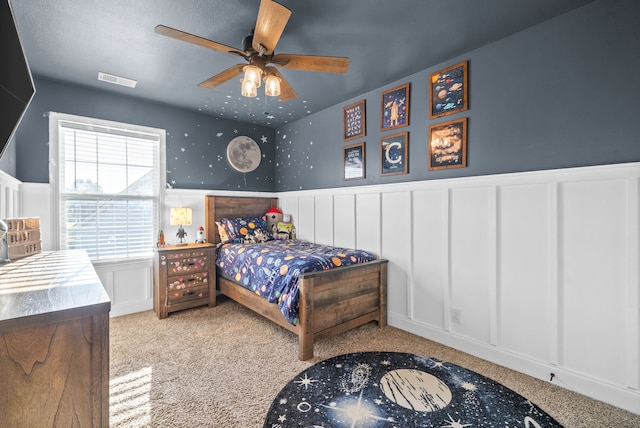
(394, 150)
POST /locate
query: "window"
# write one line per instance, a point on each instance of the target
(108, 179)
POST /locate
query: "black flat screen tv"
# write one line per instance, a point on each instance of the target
(16, 84)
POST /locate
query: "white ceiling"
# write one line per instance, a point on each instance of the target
(73, 40)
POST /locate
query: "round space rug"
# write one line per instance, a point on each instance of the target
(391, 389)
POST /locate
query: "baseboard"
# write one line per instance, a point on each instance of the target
(621, 397)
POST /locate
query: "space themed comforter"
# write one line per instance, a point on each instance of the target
(271, 269)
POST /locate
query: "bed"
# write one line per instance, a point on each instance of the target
(329, 301)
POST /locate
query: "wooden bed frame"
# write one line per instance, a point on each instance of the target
(330, 302)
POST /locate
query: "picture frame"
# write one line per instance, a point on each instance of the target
(448, 90)
(354, 121)
(353, 157)
(394, 154)
(447, 146)
(394, 112)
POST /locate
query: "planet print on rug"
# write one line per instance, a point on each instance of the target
(394, 390)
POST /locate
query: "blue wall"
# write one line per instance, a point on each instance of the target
(196, 143)
(565, 93)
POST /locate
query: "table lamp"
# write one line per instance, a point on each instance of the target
(180, 217)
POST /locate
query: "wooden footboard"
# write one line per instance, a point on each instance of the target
(337, 300)
(330, 302)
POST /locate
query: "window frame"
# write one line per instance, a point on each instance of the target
(55, 120)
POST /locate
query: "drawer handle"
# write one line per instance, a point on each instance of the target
(189, 293)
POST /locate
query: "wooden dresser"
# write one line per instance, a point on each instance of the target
(54, 342)
(183, 277)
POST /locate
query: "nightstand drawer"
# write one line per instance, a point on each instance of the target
(182, 263)
(188, 281)
(187, 294)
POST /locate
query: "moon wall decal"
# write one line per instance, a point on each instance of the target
(243, 154)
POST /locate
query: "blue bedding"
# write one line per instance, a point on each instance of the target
(271, 269)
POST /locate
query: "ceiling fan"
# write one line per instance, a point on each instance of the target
(258, 50)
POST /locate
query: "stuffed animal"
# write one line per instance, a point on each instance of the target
(274, 216)
(285, 229)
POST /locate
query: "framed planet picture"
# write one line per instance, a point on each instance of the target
(448, 91)
(243, 154)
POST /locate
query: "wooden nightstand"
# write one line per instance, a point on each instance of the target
(183, 277)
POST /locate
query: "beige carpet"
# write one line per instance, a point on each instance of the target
(222, 367)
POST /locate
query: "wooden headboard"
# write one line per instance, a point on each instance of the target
(217, 207)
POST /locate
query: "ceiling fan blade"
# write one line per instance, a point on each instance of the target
(326, 64)
(286, 91)
(272, 18)
(196, 40)
(222, 77)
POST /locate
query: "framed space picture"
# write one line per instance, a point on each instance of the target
(448, 145)
(354, 161)
(395, 108)
(354, 121)
(395, 154)
(448, 91)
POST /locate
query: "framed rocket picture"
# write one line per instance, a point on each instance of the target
(395, 108)
(448, 91)
(394, 151)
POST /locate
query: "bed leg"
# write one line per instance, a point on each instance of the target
(305, 322)
(382, 321)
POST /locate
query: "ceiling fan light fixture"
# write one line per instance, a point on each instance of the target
(253, 73)
(272, 85)
(248, 88)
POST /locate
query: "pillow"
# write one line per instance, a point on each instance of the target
(222, 232)
(243, 230)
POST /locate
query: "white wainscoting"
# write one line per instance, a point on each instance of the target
(535, 271)
(9, 196)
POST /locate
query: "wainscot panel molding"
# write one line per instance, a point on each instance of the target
(536, 271)
(9, 196)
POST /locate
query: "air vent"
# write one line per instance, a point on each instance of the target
(116, 80)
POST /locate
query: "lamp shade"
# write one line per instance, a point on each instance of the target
(253, 74)
(248, 88)
(272, 86)
(180, 216)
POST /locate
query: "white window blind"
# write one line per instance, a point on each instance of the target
(109, 189)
